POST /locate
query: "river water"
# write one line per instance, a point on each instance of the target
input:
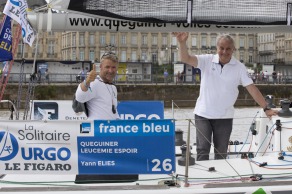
(243, 118)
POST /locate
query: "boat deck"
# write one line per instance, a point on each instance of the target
(212, 176)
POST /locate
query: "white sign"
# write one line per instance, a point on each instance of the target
(55, 110)
(89, 147)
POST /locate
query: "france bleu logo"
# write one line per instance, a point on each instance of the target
(85, 127)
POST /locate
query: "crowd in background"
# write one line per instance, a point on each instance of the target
(268, 78)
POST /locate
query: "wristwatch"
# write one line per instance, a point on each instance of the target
(85, 84)
(266, 108)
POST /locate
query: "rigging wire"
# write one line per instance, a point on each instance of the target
(269, 131)
(174, 104)
(31, 85)
(20, 82)
(269, 142)
(253, 121)
(219, 153)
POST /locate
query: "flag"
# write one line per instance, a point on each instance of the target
(16, 9)
(6, 40)
(5, 68)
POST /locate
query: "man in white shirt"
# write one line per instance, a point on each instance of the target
(100, 96)
(98, 91)
(221, 74)
(82, 75)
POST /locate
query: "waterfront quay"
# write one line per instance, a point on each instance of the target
(182, 95)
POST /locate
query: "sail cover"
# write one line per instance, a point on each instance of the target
(223, 12)
(162, 15)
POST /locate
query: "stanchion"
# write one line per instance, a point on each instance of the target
(188, 156)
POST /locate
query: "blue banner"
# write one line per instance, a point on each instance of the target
(136, 110)
(6, 40)
(127, 147)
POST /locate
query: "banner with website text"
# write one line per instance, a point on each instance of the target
(78, 22)
(87, 147)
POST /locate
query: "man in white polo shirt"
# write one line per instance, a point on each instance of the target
(100, 96)
(221, 74)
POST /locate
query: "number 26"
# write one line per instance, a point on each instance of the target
(166, 165)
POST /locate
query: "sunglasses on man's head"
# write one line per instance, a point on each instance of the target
(109, 54)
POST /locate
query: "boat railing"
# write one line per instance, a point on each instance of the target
(131, 79)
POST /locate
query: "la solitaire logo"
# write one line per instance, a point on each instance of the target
(8, 146)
